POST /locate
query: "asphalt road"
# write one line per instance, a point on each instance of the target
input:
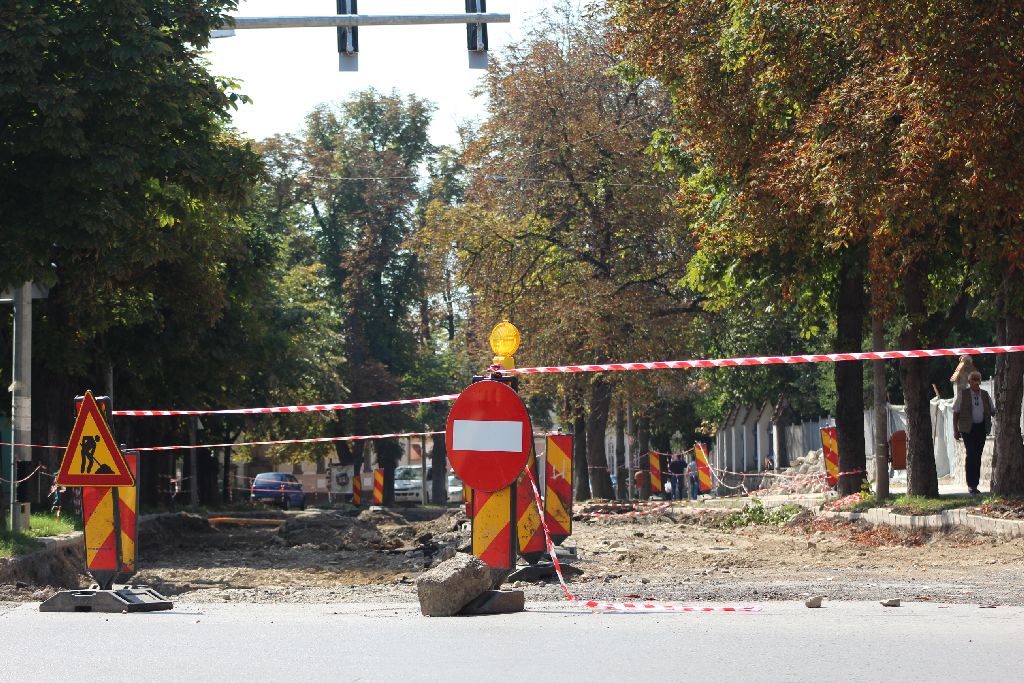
(849, 641)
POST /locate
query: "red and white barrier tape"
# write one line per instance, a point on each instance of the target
(547, 535)
(22, 481)
(325, 439)
(650, 607)
(288, 409)
(607, 367)
(29, 445)
(768, 360)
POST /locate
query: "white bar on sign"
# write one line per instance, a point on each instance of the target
(487, 435)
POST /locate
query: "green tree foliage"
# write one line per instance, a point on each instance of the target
(121, 188)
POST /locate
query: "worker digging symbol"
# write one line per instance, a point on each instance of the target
(89, 453)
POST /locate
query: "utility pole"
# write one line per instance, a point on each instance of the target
(21, 390)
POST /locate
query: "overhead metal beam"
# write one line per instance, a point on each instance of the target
(240, 23)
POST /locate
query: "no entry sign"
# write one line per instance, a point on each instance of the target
(488, 436)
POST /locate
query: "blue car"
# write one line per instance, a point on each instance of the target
(278, 488)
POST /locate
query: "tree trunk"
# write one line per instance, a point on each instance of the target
(922, 479)
(1008, 460)
(581, 478)
(849, 375)
(597, 425)
(439, 469)
(620, 452)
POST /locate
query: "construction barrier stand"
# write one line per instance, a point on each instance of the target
(378, 487)
(558, 487)
(700, 451)
(357, 490)
(657, 486)
(830, 448)
(528, 520)
(493, 540)
(109, 515)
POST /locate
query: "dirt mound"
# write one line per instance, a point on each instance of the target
(62, 568)
(332, 530)
(171, 530)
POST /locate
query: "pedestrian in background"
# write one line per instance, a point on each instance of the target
(972, 421)
(677, 468)
(960, 375)
(693, 474)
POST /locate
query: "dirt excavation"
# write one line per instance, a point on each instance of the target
(686, 554)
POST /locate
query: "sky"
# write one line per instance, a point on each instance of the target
(287, 72)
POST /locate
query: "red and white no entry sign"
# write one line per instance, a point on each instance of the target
(488, 436)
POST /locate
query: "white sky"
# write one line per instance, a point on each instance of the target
(287, 72)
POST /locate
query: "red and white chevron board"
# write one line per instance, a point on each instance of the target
(530, 535)
(101, 545)
(558, 483)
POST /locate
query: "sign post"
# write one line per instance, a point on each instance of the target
(110, 499)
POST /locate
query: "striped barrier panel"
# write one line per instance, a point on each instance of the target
(357, 490)
(378, 487)
(493, 540)
(830, 449)
(700, 451)
(657, 486)
(467, 498)
(110, 532)
(528, 520)
(558, 483)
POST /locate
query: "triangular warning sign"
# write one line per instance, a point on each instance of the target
(92, 458)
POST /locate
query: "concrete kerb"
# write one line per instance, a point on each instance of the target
(947, 519)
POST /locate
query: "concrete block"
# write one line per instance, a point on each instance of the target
(444, 590)
(496, 602)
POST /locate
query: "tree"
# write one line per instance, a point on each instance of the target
(896, 132)
(122, 185)
(566, 226)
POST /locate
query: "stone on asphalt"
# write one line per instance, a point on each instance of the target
(895, 602)
(815, 601)
(496, 602)
(451, 585)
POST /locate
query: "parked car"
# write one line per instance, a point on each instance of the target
(455, 490)
(408, 484)
(409, 487)
(278, 488)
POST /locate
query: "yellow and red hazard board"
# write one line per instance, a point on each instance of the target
(528, 521)
(378, 487)
(830, 448)
(109, 515)
(357, 490)
(493, 540)
(558, 487)
(655, 465)
(703, 467)
(91, 457)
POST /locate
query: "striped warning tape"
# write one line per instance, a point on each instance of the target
(325, 439)
(608, 367)
(768, 360)
(665, 607)
(287, 409)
